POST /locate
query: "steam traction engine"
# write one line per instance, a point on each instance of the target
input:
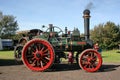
(39, 53)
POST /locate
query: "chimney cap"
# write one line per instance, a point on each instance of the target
(86, 11)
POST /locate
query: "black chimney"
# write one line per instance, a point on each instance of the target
(86, 17)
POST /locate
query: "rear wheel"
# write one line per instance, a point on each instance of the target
(38, 55)
(18, 54)
(90, 60)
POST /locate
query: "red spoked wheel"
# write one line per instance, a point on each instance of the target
(38, 55)
(90, 60)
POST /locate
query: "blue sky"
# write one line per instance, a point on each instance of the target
(32, 14)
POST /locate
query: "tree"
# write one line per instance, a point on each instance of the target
(97, 32)
(107, 34)
(8, 26)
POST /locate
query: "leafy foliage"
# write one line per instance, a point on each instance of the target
(8, 26)
(107, 34)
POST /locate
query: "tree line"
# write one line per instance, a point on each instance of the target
(107, 34)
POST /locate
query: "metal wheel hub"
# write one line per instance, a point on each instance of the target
(38, 55)
(90, 60)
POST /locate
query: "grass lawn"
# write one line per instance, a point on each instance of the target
(108, 56)
(111, 56)
(6, 54)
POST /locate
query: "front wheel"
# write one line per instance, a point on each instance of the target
(38, 55)
(90, 60)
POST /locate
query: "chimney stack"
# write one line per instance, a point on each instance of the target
(86, 16)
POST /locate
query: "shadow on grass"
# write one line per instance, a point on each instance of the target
(8, 62)
(108, 67)
(118, 52)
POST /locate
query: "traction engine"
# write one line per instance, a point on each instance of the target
(40, 52)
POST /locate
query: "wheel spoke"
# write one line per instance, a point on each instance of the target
(37, 49)
(85, 65)
(46, 50)
(84, 62)
(46, 54)
(33, 50)
(43, 60)
(42, 49)
(47, 58)
(92, 54)
(93, 65)
(94, 59)
(89, 66)
(33, 53)
(33, 63)
(41, 63)
(33, 58)
(38, 46)
(38, 63)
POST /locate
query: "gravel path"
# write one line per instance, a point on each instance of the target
(109, 71)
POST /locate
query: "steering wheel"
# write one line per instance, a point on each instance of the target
(56, 29)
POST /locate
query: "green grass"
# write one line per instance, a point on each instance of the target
(108, 56)
(111, 56)
(6, 54)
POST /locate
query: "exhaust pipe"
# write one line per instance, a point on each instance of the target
(86, 16)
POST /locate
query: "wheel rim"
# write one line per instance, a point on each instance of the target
(17, 52)
(90, 60)
(38, 55)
